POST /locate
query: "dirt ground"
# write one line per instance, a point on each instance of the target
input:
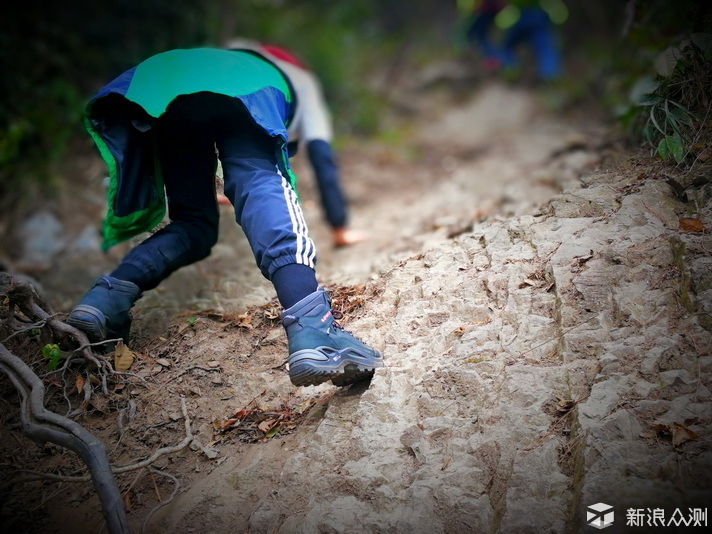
(516, 336)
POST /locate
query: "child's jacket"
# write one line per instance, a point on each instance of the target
(119, 120)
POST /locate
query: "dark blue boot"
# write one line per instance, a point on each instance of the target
(103, 313)
(320, 349)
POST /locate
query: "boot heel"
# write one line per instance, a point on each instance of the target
(89, 320)
(304, 369)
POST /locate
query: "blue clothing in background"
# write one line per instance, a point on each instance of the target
(478, 36)
(533, 29)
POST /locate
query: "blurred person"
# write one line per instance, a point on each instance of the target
(311, 129)
(478, 33)
(528, 23)
(161, 128)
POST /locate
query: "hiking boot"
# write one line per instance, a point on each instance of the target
(103, 313)
(320, 349)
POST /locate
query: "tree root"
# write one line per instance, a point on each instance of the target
(42, 425)
(22, 295)
(176, 487)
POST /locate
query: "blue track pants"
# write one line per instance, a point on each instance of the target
(190, 136)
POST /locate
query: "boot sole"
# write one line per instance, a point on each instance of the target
(315, 370)
(89, 320)
(353, 374)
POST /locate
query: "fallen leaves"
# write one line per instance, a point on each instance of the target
(79, 384)
(253, 318)
(692, 225)
(678, 433)
(564, 406)
(123, 357)
(559, 408)
(348, 299)
(254, 424)
(538, 279)
(242, 320)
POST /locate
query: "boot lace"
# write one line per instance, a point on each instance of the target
(337, 315)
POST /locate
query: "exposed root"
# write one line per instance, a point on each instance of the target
(27, 313)
(43, 426)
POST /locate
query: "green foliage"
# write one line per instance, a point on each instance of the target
(53, 55)
(53, 355)
(673, 112)
(671, 145)
(668, 127)
(659, 84)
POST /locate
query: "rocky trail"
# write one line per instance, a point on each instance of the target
(544, 317)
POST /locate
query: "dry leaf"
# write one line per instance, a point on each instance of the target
(224, 424)
(79, 383)
(565, 406)
(704, 155)
(692, 225)
(241, 414)
(127, 500)
(272, 313)
(244, 320)
(100, 404)
(123, 357)
(265, 426)
(460, 330)
(681, 434)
